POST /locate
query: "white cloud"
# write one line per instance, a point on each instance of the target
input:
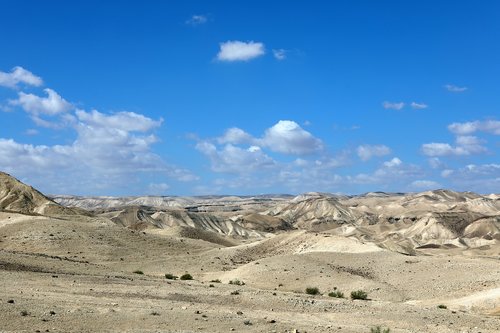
(279, 54)
(487, 126)
(51, 105)
(240, 51)
(235, 135)
(19, 75)
(454, 88)
(446, 173)
(197, 20)
(482, 178)
(366, 152)
(418, 106)
(108, 153)
(391, 172)
(393, 106)
(442, 149)
(288, 137)
(233, 159)
(436, 163)
(395, 162)
(425, 184)
(466, 145)
(125, 121)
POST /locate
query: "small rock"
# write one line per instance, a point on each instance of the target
(239, 313)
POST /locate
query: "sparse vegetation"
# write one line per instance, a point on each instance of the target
(236, 292)
(186, 276)
(336, 294)
(216, 281)
(155, 313)
(170, 276)
(442, 306)
(24, 313)
(138, 272)
(312, 290)
(359, 294)
(237, 282)
(379, 329)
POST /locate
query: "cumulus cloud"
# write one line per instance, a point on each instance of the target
(466, 145)
(237, 160)
(19, 75)
(418, 106)
(125, 121)
(487, 126)
(108, 153)
(288, 137)
(442, 149)
(279, 54)
(393, 163)
(390, 172)
(454, 88)
(51, 105)
(366, 152)
(240, 51)
(197, 20)
(393, 106)
(235, 135)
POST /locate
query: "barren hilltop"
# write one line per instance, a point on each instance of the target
(317, 262)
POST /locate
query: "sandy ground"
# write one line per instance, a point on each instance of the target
(75, 274)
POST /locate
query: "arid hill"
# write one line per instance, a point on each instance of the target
(428, 262)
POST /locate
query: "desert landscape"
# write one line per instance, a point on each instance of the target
(317, 262)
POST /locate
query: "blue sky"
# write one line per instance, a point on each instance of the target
(250, 97)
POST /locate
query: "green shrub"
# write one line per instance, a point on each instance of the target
(170, 276)
(312, 290)
(216, 281)
(186, 276)
(379, 329)
(442, 306)
(237, 282)
(337, 294)
(138, 272)
(359, 294)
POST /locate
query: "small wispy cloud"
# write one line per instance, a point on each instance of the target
(418, 106)
(454, 88)
(19, 75)
(365, 152)
(279, 54)
(393, 105)
(197, 20)
(487, 126)
(240, 51)
(31, 132)
(425, 184)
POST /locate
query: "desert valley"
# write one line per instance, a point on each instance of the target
(419, 262)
